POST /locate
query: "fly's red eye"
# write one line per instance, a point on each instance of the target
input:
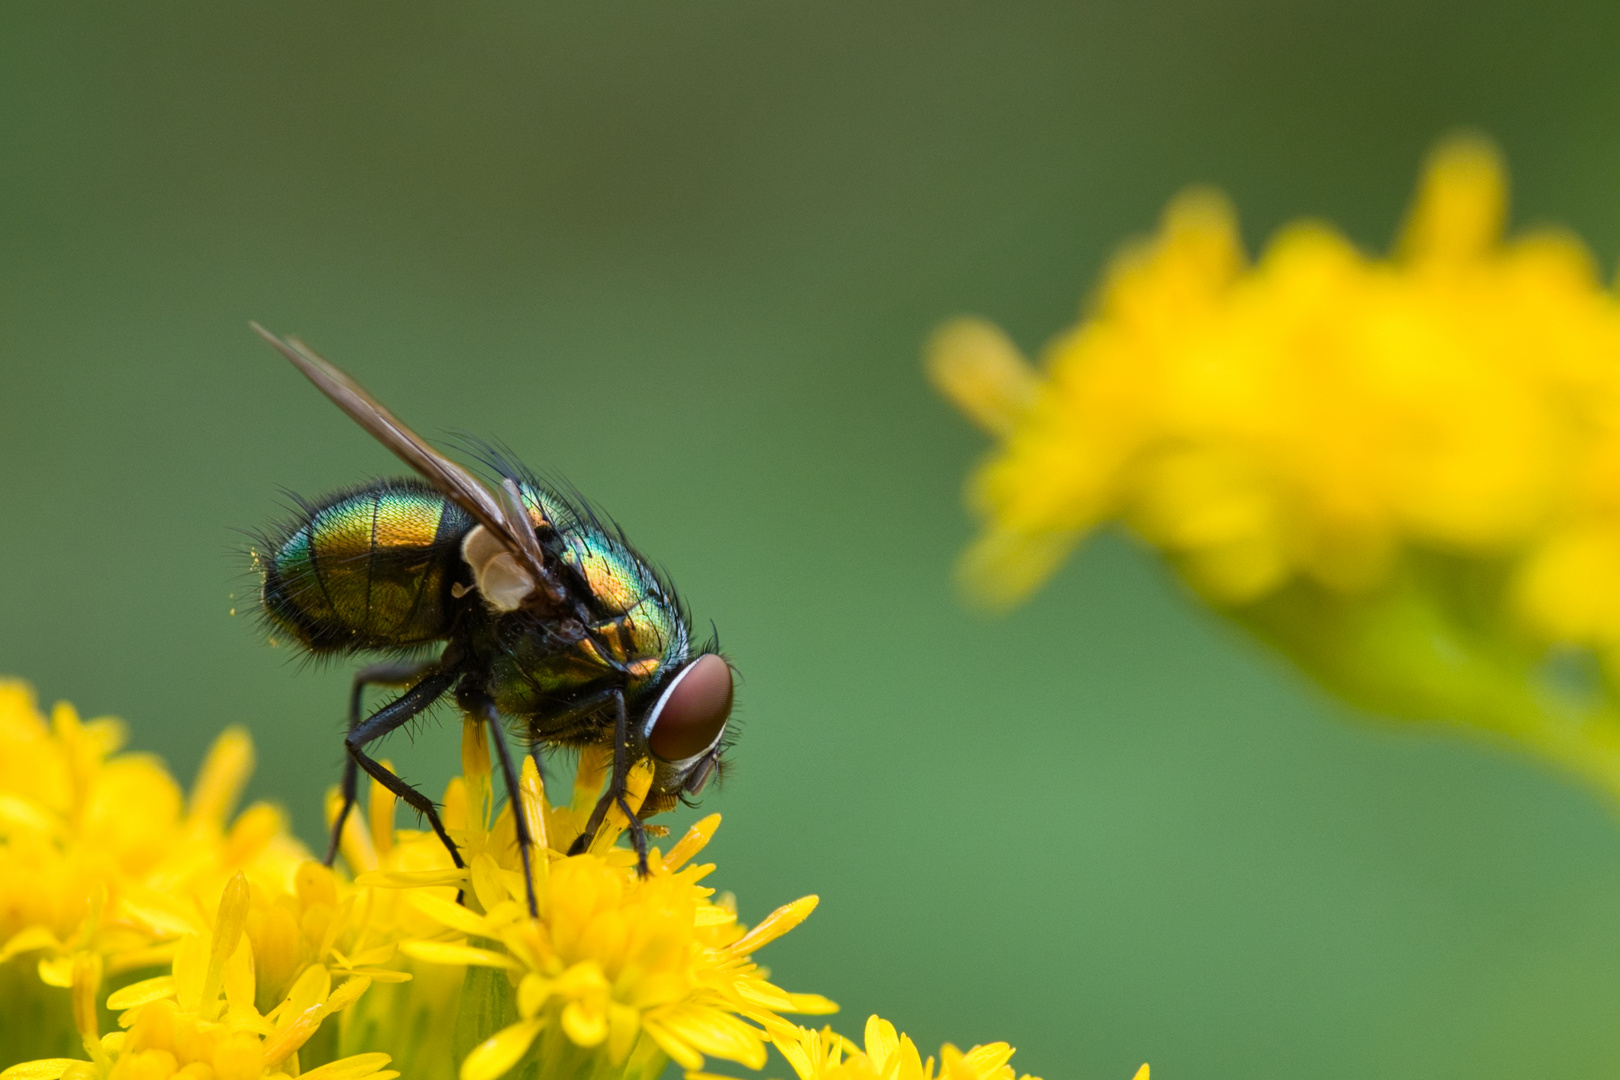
(693, 711)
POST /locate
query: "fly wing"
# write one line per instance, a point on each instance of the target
(512, 504)
(461, 486)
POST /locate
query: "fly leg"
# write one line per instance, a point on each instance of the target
(614, 795)
(370, 675)
(396, 714)
(484, 709)
(562, 723)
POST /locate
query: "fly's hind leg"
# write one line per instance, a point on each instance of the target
(390, 717)
(615, 793)
(390, 674)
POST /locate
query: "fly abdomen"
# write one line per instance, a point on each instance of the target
(370, 568)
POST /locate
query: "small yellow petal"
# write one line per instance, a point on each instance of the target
(583, 1025)
(349, 1068)
(487, 881)
(713, 915)
(223, 775)
(696, 838)
(18, 811)
(46, 1069)
(882, 1041)
(86, 989)
(988, 1058)
(495, 1056)
(624, 1024)
(534, 798)
(797, 1051)
(451, 914)
(474, 751)
(228, 927)
(532, 993)
(379, 955)
(380, 816)
(810, 1004)
(976, 366)
(672, 1042)
(1461, 202)
(347, 993)
(382, 975)
(412, 879)
(140, 993)
(776, 924)
(34, 937)
(56, 971)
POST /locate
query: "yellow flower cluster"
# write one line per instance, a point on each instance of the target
(620, 972)
(201, 1022)
(182, 945)
(108, 873)
(104, 864)
(1311, 414)
(178, 943)
(1404, 471)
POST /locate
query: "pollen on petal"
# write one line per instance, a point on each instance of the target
(777, 923)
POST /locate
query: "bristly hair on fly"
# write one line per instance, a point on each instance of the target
(502, 463)
(500, 460)
(297, 511)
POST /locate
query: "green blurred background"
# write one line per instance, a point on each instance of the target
(685, 254)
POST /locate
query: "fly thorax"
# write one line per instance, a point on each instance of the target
(497, 574)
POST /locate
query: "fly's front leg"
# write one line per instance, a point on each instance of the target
(617, 786)
(370, 675)
(484, 710)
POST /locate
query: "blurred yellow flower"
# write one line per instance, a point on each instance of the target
(1402, 471)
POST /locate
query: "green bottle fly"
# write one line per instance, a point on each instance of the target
(517, 600)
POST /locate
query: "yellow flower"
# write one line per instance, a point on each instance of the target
(201, 1022)
(100, 853)
(105, 870)
(824, 1055)
(416, 967)
(415, 1021)
(618, 969)
(1403, 471)
(1309, 415)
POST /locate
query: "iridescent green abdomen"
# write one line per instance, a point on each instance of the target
(370, 568)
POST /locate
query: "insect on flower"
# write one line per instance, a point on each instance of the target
(550, 622)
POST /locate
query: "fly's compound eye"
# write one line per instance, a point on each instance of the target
(687, 723)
